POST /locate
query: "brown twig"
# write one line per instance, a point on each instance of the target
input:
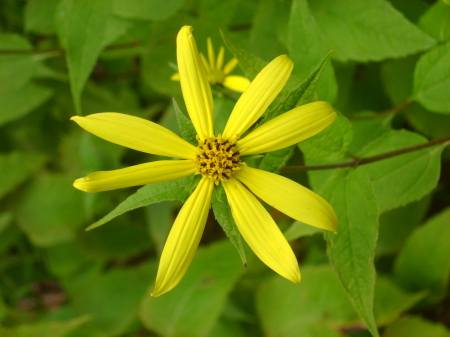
(384, 113)
(363, 161)
(62, 51)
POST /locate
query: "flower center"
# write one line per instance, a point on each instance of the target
(217, 158)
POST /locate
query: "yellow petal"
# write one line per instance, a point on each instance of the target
(211, 56)
(236, 83)
(183, 239)
(175, 77)
(291, 198)
(219, 63)
(194, 83)
(137, 134)
(148, 173)
(258, 96)
(260, 231)
(205, 63)
(289, 128)
(229, 67)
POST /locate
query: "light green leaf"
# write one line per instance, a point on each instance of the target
(402, 179)
(436, 21)
(15, 168)
(416, 326)
(112, 299)
(149, 194)
(54, 329)
(371, 30)
(16, 104)
(187, 129)
(39, 16)
(352, 249)
(222, 213)
(319, 306)
(154, 10)
(84, 29)
(299, 229)
(51, 210)
(306, 49)
(424, 262)
(5, 221)
(331, 144)
(432, 79)
(194, 306)
(15, 69)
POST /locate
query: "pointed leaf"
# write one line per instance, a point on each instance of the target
(186, 127)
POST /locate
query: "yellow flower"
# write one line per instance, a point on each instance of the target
(217, 159)
(218, 75)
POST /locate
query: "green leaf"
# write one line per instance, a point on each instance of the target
(154, 10)
(424, 262)
(194, 306)
(149, 194)
(51, 210)
(299, 229)
(186, 127)
(436, 21)
(54, 329)
(319, 306)
(15, 168)
(416, 326)
(276, 160)
(159, 222)
(15, 69)
(306, 49)
(352, 249)
(331, 144)
(222, 213)
(402, 179)
(40, 16)
(372, 30)
(16, 104)
(432, 79)
(84, 29)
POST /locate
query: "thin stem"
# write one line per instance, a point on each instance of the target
(384, 113)
(62, 51)
(363, 161)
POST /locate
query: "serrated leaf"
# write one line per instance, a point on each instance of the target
(16, 104)
(84, 29)
(169, 190)
(186, 127)
(436, 21)
(154, 10)
(16, 69)
(194, 306)
(222, 213)
(352, 249)
(372, 30)
(432, 79)
(306, 49)
(331, 144)
(402, 179)
(39, 16)
(15, 168)
(416, 326)
(424, 261)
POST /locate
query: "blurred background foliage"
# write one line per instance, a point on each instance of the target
(63, 57)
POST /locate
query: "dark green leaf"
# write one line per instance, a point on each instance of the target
(415, 326)
(149, 194)
(40, 16)
(222, 213)
(186, 127)
(154, 10)
(435, 21)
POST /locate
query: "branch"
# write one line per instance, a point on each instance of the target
(384, 113)
(62, 51)
(363, 161)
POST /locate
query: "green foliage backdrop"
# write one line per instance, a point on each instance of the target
(383, 165)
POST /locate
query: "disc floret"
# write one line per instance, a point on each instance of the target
(217, 158)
